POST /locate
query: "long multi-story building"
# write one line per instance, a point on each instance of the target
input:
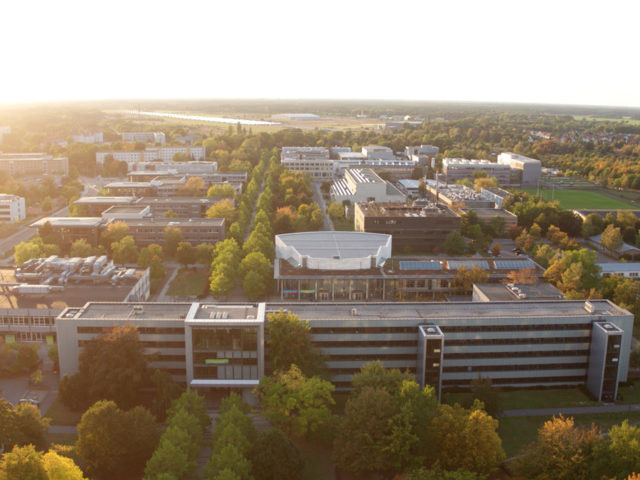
(459, 169)
(12, 208)
(528, 169)
(33, 164)
(422, 228)
(179, 167)
(427, 150)
(376, 152)
(87, 136)
(147, 137)
(515, 343)
(184, 207)
(150, 154)
(363, 185)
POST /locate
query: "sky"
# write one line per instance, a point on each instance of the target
(554, 52)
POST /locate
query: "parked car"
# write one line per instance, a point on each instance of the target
(32, 401)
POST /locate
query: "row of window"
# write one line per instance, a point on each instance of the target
(381, 343)
(169, 358)
(505, 368)
(33, 336)
(507, 381)
(146, 344)
(142, 330)
(351, 371)
(364, 357)
(516, 341)
(25, 320)
(516, 328)
(538, 353)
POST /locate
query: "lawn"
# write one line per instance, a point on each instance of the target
(343, 226)
(61, 415)
(517, 432)
(579, 199)
(602, 119)
(188, 282)
(525, 399)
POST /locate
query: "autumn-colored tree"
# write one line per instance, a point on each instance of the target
(496, 249)
(612, 238)
(514, 232)
(172, 239)
(194, 187)
(525, 276)
(466, 278)
(223, 209)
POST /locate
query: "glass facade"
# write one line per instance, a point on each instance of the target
(225, 353)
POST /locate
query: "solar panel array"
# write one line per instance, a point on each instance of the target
(513, 264)
(469, 264)
(420, 266)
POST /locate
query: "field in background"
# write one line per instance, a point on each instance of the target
(601, 119)
(578, 199)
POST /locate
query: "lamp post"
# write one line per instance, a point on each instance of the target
(630, 396)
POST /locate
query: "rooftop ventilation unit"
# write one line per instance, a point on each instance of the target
(250, 317)
(225, 315)
(589, 307)
(354, 312)
(138, 309)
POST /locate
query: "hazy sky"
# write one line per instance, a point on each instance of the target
(570, 52)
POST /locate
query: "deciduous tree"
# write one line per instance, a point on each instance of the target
(466, 278)
(80, 248)
(186, 254)
(125, 251)
(172, 238)
(275, 457)
(223, 209)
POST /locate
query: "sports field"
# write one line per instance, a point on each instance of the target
(578, 200)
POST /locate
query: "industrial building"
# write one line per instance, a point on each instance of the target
(422, 228)
(409, 187)
(364, 185)
(459, 169)
(33, 164)
(184, 207)
(295, 117)
(12, 208)
(345, 266)
(515, 343)
(147, 137)
(527, 169)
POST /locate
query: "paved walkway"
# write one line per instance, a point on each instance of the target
(161, 297)
(317, 197)
(535, 412)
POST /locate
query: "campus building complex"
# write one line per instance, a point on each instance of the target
(184, 207)
(528, 170)
(150, 154)
(515, 343)
(33, 164)
(363, 185)
(147, 137)
(12, 208)
(459, 169)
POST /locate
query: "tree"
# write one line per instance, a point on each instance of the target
(619, 455)
(23, 463)
(221, 191)
(483, 390)
(204, 253)
(589, 277)
(514, 232)
(26, 251)
(61, 468)
(147, 253)
(295, 404)
(223, 209)
(170, 214)
(228, 459)
(46, 205)
(31, 427)
(290, 344)
(169, 459)
(435, 473)
(467, 439)
(186, 254)
(113, 366)
(466, 278)
(114, 233)
(223, 281)
(255, 262)
(634, 358)
(52, 353)
(258, 242)
(545, 255)
(562, 451)
(172, 239)
(454, 245)
(166, 392)
(125, 251)
(254, 285)
(80, 248)
(524, 276)
(194, 404)
(181, 157)
(335, 211)
(275, 457)
(375, 375)
(114, 441)
(495, 250)
(535, 232)
(612, 238)
(193, 187)
(498, 225)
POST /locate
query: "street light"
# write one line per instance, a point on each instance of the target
(630, 396)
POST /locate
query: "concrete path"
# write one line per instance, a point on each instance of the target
(317, 197)
(535, 412)
(161, 297)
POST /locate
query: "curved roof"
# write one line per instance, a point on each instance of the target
(332, 244)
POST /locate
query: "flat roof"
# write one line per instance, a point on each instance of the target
(492, 212)
(69, 221)
(379, 209)
(173, 200)
(497, 292)
(620, 267)
(407, 183)
(128, 210)
(331, 244)
(603, 213)
(458, 310)
(125, 311)
(234, 312)
(129, 185)
(177, 222)
(104, 200)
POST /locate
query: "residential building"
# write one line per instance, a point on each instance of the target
(458, 169)
(458, 196)
(145, 231)
(402, 278)
(499, 292)
(59, 140)
(497, 195)
(528, 169)
(12, 208)
(295, 117)
(364, 185)
(427, 150)
(87, 136)
(150, 154)
(33, 164)
(616, 269)
(420, 228)
(4, 131)
(375, 152)
(488, 214)
(445, 345)
(625, 251)
(146, 137)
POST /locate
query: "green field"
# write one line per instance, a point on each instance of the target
(579, 199)
(601, 119)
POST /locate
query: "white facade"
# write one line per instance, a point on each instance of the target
(530, 167)
(165, 154)
(364, 185)
(428, 150)
(177, 167)
(85, 136)
(313, 161)
(375, 152)
(615, 269)
(4, 131)
(147, 137)
(12, 208)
